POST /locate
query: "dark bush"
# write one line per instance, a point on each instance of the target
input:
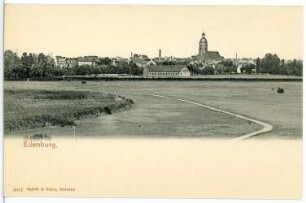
(280, 90)
(107, 110)
(130, 101)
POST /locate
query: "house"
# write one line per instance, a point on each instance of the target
(245, 61)
(151, 63)
(72, 62)
(239, 69)
(84, 62)
(141, 56)
(140, 60)
(166, 71)
(61, 61)
(114, 62)
(87, 60)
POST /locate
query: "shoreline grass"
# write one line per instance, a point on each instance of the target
(28, 109)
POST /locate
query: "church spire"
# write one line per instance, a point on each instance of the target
(203, 45)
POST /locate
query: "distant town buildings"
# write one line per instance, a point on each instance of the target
(140, 60)
(167, 66)
(61, 61)
(65, 62)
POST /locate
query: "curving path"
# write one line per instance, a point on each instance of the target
(266, 126)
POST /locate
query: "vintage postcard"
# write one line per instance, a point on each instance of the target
(153, 101)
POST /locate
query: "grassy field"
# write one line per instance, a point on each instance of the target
(30, 108)
(159, 117)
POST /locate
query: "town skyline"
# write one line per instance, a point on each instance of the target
(107, 31)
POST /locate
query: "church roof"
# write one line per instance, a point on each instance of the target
(210, 55)
(213, 55)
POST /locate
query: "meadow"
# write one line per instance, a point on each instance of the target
(30, 108)
(157, 117)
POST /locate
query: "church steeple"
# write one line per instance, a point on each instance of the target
(203, 45)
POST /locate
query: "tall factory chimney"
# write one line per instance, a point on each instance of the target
(236, 59)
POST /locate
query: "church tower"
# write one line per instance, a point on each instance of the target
(203, 46)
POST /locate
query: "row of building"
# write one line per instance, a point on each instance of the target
(139, 60)
(159, 66)
(66, 62)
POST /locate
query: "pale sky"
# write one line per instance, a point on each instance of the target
(78, 30)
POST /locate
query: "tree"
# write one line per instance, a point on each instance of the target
(35, 71)
(209, 70)
(229, 66)
(49, 67)
(283, 68)
(105, 61)
(83, 70)
(258, 65)
(270, 64)
(11, 64)
(26, 64)
(248, 68)
(295, 68)
(135, 70)
(192, 67)
(227, 63)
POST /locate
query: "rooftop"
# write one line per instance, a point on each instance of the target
(164, 68)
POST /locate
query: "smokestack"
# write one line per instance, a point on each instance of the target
(131, 54)
(236, 60)
(159, 53)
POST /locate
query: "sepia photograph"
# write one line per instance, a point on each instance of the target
(153, 101)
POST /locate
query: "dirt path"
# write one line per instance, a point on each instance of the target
(266, 126)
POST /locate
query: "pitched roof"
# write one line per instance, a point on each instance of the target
(87, 58)
(213, 55)
(210, 55)
(84, 60)
(164, 68)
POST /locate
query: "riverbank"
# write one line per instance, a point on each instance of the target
(28, 109)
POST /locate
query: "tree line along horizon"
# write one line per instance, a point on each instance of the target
(31, 65)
